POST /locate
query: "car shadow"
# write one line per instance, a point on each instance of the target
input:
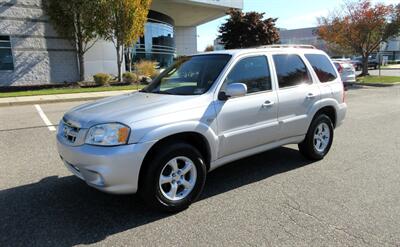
(65, 211)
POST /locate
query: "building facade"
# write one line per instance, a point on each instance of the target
(217, 45)
(32, 53)
(307, 36)
(391, 50)
(30, 50)
(304, 36)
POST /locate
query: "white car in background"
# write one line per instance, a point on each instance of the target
(346, 70)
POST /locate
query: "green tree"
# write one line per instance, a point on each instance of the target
(78, 21)
(243, 30)
(124, 24)
(360, 26)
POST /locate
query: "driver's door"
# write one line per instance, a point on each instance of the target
(248, 121)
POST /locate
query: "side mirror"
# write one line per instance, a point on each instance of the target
(233, 90)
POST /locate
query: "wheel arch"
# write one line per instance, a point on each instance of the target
(328, 110)
(196, 139)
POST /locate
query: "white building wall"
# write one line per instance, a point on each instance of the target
(101, 58)
(186, 40)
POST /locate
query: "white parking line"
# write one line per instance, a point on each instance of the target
(44, 118)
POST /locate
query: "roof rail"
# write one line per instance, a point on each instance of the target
(288, 46)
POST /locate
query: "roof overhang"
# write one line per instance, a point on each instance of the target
(194, 12)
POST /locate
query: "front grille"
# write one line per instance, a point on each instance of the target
(69, 132)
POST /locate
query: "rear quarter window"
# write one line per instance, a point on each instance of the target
(322, 67)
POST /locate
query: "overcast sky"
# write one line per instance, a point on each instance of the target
(291, 14)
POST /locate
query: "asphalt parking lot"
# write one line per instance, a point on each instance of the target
(277, 198)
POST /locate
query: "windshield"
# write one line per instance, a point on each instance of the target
(189, 75)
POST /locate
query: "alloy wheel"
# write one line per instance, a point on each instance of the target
(322, 136)
(177, 178)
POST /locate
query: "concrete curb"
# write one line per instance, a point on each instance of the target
(46, 99)
(377, 84)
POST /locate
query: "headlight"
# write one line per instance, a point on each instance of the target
(108, 134)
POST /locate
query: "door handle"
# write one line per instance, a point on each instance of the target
(310, 96)
(268, 104)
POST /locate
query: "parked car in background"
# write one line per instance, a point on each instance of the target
(346, 70)
(340, 58)
(357, 63)
(203, 112)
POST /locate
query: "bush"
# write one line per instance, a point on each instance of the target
(146, 68)
(145, 80)
(102, 78)
(129, 77)
(154, 75)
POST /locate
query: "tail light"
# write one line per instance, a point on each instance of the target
(339, 68)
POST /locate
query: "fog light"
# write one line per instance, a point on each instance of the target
(93, 177)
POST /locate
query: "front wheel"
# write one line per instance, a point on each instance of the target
(318, 139)
(174, 178)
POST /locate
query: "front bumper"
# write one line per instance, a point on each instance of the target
(109, 169)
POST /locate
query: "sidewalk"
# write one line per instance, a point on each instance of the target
(41, 99)
(392, 66)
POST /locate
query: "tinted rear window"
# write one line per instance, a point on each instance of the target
(291, 70)
(322, 67)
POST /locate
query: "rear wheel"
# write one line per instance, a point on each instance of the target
(318, 139)
(174, 178)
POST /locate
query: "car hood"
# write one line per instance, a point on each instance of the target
(129, 108)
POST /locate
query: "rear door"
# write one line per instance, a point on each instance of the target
(330, 84)
(297, 93)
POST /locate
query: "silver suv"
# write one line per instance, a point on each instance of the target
(203, 112)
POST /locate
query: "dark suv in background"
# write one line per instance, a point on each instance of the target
(357, 63)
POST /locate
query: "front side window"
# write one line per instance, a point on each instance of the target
(190, 75)
(291, 70)
(6, 59)
(252, 71)
(322, 67)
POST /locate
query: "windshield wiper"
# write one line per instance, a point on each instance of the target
(160, 92)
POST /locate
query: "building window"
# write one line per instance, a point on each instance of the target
(6, 58)
(158, 42)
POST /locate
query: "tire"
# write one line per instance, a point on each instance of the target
(315, 148)
(160, 177)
